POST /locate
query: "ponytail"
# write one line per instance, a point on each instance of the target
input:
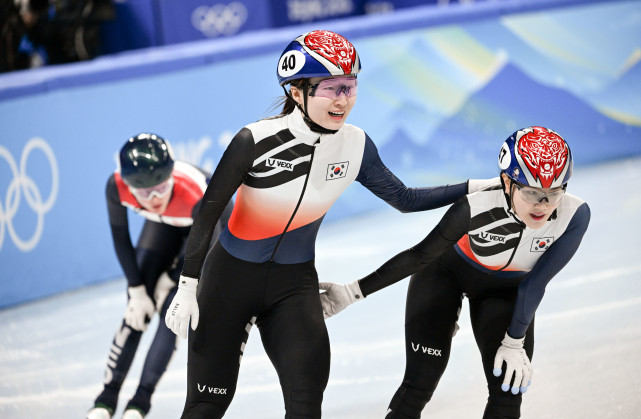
(289, 104)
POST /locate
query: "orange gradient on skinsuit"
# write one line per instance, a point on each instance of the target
(464, 245)
(253, 219)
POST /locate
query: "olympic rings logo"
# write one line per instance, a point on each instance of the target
(23, 184)
(219, 19)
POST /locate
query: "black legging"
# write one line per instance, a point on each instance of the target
(160, 248)
(433, 302)
(282, 300)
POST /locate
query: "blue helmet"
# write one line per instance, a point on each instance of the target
(146, 160)
(537, 157)
(317, 54)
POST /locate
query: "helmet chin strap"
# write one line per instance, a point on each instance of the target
(510, 201)
(509, 197)
(311, 124)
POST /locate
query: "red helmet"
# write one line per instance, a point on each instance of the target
(536, 157)
(317, 54)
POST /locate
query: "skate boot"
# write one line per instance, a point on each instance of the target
(132, 412)
(100, 412)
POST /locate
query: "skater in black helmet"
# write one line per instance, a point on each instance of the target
(165, 192)
(499, 247)
(287, 172)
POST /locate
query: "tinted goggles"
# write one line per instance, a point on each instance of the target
(332, 88)
(160, 190)
(536, 195)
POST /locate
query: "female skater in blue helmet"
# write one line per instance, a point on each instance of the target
(499, 247)
(287, 172)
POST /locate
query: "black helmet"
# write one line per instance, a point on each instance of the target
(146, 160)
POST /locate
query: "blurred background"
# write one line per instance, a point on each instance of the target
(443, 84)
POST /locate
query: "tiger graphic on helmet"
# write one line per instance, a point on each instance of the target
(317, 53)
(537, 157)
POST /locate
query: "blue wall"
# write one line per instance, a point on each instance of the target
(146, 23)
(439, 91)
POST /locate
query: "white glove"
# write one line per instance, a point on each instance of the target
(474, 185)
(182, 307)
(140, 308)
(164, 285)
(512, 353)
(337, 297)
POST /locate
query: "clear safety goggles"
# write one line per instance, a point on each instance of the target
(537, 195)
(161, 190)
(332, 88)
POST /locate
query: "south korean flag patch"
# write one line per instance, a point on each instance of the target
(337, 170)
(541, 244)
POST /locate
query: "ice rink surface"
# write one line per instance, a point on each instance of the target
(588, 338)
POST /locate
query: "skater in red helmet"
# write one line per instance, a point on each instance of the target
(499, 247)
(286, 172)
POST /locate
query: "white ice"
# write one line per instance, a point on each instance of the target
(588, 338)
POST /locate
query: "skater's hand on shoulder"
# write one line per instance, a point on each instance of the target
(337, 297)
(517, 364)
(182, 307)
(140, 308)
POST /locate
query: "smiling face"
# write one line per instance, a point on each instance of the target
(329, 113)
(533, 215)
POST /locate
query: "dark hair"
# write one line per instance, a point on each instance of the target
(289, 104)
